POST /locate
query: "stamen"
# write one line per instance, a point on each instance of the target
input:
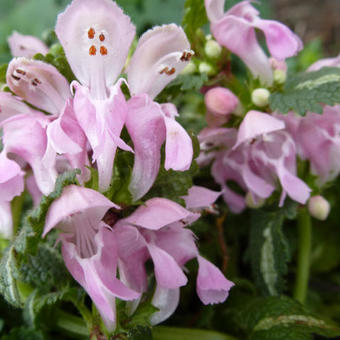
(101, 37)
(36, 80)
(92, 50)
(186, 56)
(168, 71)
(91, 33)
(15, 77)
(103, 50)
(18, 70)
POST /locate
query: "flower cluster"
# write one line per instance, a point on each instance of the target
(260, 154)
(50, 125)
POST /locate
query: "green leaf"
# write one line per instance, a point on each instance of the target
(8, 275)
(57, 58)
(26, 260)
(3, 71)
(172, 333)
(268, 250)
(183, 82)
(140, 333)
(23, 333)
(172, 184)
(307, 91)
(195, 17)
(279, 317)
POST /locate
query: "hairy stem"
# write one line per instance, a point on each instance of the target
(304, 250)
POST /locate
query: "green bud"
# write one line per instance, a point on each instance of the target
(189, 68)
(212, 49)
(280, 76)
(205, 67)
(260, 97)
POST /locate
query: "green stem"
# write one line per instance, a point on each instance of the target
(17, 205)
(304, 250)
(72, 325)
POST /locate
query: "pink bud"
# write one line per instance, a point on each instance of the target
(220, 101)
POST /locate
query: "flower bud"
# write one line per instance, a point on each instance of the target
(212, 49)
(279, 76)
(260, 97)
(189, 68)
(205, 67)
(220, 101)
(318, 207)
(254, 203)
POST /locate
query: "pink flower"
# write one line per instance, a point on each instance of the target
(326, 62)
(89, 248)
(263, 152)
(11, 185)
(97, 60)
(25, 45)
(157, 230)
(241, 21)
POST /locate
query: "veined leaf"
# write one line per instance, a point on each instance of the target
(308, 91)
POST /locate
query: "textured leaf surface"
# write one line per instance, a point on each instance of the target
(268, 250)
(307, 91)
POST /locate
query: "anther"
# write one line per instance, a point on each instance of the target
(18, 70)
(36, 80)
(91, 32)
(168, 71)
(103, 50)
(186, 56)
(15, 77)
(101, 37)
(92, 50)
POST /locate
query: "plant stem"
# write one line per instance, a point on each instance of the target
(71, 324)
(304, 250)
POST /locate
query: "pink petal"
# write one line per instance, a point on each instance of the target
(96, 37)
(256, 123)
(294, 186)
(326, 62)
(281, 41)
(212, 286)
(145, 124)
(33, 190)
(25, 45)
(200, 197)
(6, 222)
(157, 213)
(75, 199)
(245, 46)
(38, 83)
(161, 54)
(166, 300)
(25, 136)
(11, 105)
(167, 271)
(215, 9)
(11, 179)
(178, 146)
(177, 241)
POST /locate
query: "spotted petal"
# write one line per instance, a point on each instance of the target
(96, 37)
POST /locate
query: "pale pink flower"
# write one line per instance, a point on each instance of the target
(235, 29)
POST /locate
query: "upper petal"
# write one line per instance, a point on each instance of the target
(161, 54)
(25, 45)
(156, 213)
(256, 123)
(215, 9)
(281, 41)
(77, 199)
(96, 37)
(38, 83)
